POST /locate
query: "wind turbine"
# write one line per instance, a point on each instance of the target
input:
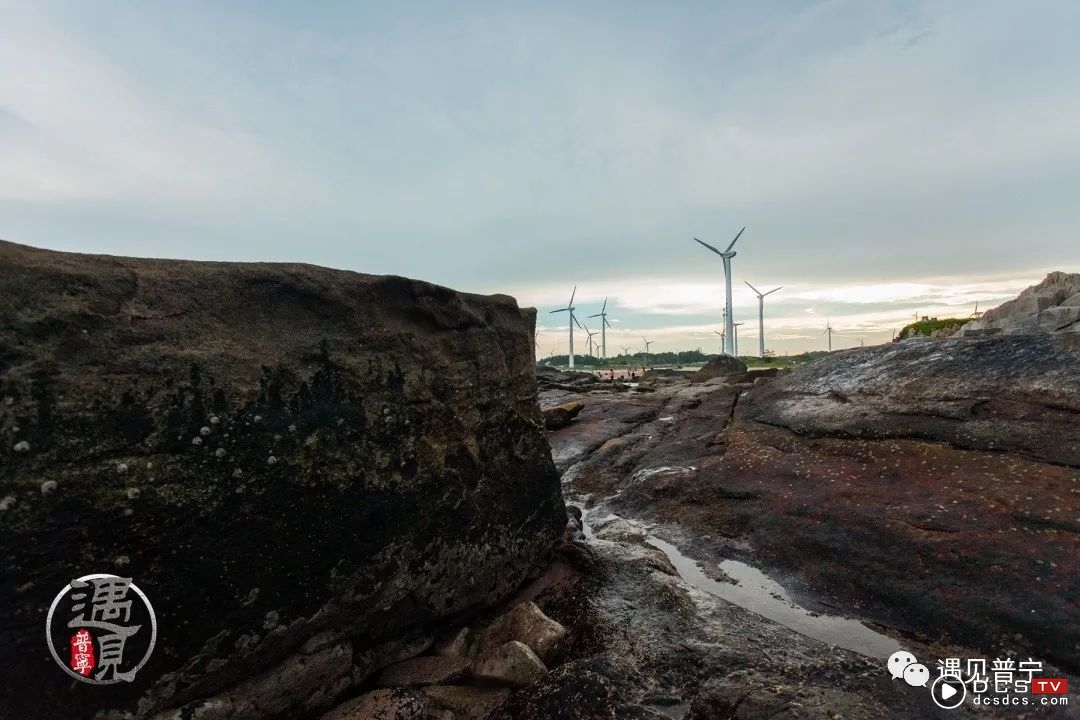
(829, 332)
(573, 319)
(976, 314)
(761, 316)
(590, 333)
(735, 329)
(726, 256)
(721, 334)
(647, 344)
(603, 332)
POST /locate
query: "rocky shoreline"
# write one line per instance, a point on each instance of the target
(903, 521)
(344, 495)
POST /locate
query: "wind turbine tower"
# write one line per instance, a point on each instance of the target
(604, 324)
(726, 256)
(735, 329)
(590, 333)
(573, 320)
(721, 334)
(761, 316)
(829, 332)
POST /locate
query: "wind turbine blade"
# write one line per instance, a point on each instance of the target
(559, 310)
(596, 315)
(575, 319)
(571, 303)
(773, 290)
(735, 240)
(753, 288)
(709, 246)
(606, 322)
(604, 308)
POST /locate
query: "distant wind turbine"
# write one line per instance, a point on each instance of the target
(647, 344)
(626, 351)
(976, 315)
(761, 316)
(590, 333)
(726, 256)
(829, 332)
(573, 320)
(721, 334)
(604, 324)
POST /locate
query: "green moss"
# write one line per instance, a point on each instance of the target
(926, 327)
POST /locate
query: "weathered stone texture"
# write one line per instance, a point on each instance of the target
(271, 451)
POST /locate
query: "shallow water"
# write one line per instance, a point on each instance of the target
(755, 591)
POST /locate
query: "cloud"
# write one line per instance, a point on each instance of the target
(887, 157)
(81, 130)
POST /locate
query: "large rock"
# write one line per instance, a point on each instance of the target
(512, 663)
(526, 623)
(561, 415)
(1018, 394)
(1052, 306)
(720, 366)
(271, 452)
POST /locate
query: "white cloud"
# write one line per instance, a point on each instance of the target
(80, 130)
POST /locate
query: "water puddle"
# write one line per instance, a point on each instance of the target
(755, 591)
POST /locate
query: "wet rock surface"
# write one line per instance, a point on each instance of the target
(928, 486)
(281, 456)
(645, 644)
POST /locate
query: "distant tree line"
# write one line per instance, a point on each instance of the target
(638, 359)
(676, 359)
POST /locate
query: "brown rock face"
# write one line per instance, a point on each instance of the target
(720, 366)
(271, 452)
(561, 415)
(1019, 394)
(932, 485)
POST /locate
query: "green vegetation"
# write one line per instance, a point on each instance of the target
(638, 359)
(682, 358)
(928, 325)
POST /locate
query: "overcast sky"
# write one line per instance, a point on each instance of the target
(888, 158)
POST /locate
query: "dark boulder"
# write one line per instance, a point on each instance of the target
(720, 366)
(274, 453)
(561, 415)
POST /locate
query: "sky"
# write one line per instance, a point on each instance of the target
(888, 159)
